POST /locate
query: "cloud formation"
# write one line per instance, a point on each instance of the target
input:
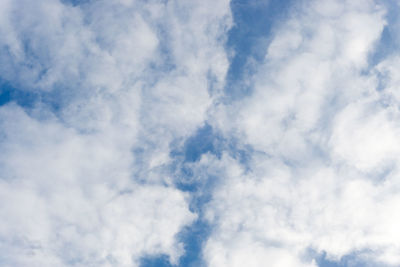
(84, 169)
(322, 125)
(124, 125)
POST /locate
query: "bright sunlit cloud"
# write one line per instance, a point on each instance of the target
(199, 133)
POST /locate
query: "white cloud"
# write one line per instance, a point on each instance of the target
(366, 141)
(69, 197)
(277, 209)
(86, 181)
(122, 76)
(323, 174)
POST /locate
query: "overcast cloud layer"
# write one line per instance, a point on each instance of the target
(126, 124)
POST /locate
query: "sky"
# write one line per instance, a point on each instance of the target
(213, 133)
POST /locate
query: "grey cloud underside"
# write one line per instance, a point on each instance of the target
(127, 97)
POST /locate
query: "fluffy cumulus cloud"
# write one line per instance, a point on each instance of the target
(322, 121)
(121, 125)
(97, 92)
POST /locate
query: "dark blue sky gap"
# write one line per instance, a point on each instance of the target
(27, 99)
(8, 94)
(249, 38)
(205, 140)
(389, 42)
(76, 2)
(351, 260)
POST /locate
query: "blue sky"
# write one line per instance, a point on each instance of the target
(199, 133)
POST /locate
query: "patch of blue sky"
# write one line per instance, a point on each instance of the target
(387, 45)
(9, 94)
(389, 42)
(155, 261)
(28, 99)
(350, 260)
(14, 88)
(205, 140)
(5, 93)
(248, 40)
(76, 2)
(200, 186)
(193, 238)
